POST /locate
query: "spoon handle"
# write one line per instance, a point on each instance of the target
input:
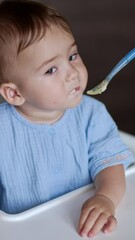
(121, 64)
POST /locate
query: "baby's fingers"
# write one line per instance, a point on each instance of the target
(97, 227)
(87, 221)
(110, 225)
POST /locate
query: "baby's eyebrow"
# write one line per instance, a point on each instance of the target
(73, 44)
(46, 62)
(53, 58)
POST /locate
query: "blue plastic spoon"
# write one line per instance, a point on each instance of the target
(101, 87)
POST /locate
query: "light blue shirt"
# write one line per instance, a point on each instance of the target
(39, 162)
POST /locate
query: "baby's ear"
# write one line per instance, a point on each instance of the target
(11, 94)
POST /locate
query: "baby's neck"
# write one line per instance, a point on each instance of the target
(41, 118)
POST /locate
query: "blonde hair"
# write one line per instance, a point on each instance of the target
(21, 24)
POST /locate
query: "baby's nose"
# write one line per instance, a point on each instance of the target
(72, 74)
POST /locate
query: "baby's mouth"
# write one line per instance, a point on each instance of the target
(75, 90)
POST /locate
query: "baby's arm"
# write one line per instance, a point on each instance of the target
(98, 211)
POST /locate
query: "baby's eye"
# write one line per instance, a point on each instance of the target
(73, 57)
(51, 70)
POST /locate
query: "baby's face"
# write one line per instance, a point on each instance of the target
(50, 74)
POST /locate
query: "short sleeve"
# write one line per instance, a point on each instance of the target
(105, 146)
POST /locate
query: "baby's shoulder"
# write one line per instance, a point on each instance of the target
(4, 114)
(89, 105)
(4, 109)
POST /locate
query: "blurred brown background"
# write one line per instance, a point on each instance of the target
(105, 32)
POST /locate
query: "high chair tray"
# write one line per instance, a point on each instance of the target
(58, 219)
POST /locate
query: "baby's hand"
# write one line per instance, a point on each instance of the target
(97, 214)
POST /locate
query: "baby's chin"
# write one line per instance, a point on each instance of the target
(76, 102)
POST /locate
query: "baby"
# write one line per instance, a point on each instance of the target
(53, 138)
